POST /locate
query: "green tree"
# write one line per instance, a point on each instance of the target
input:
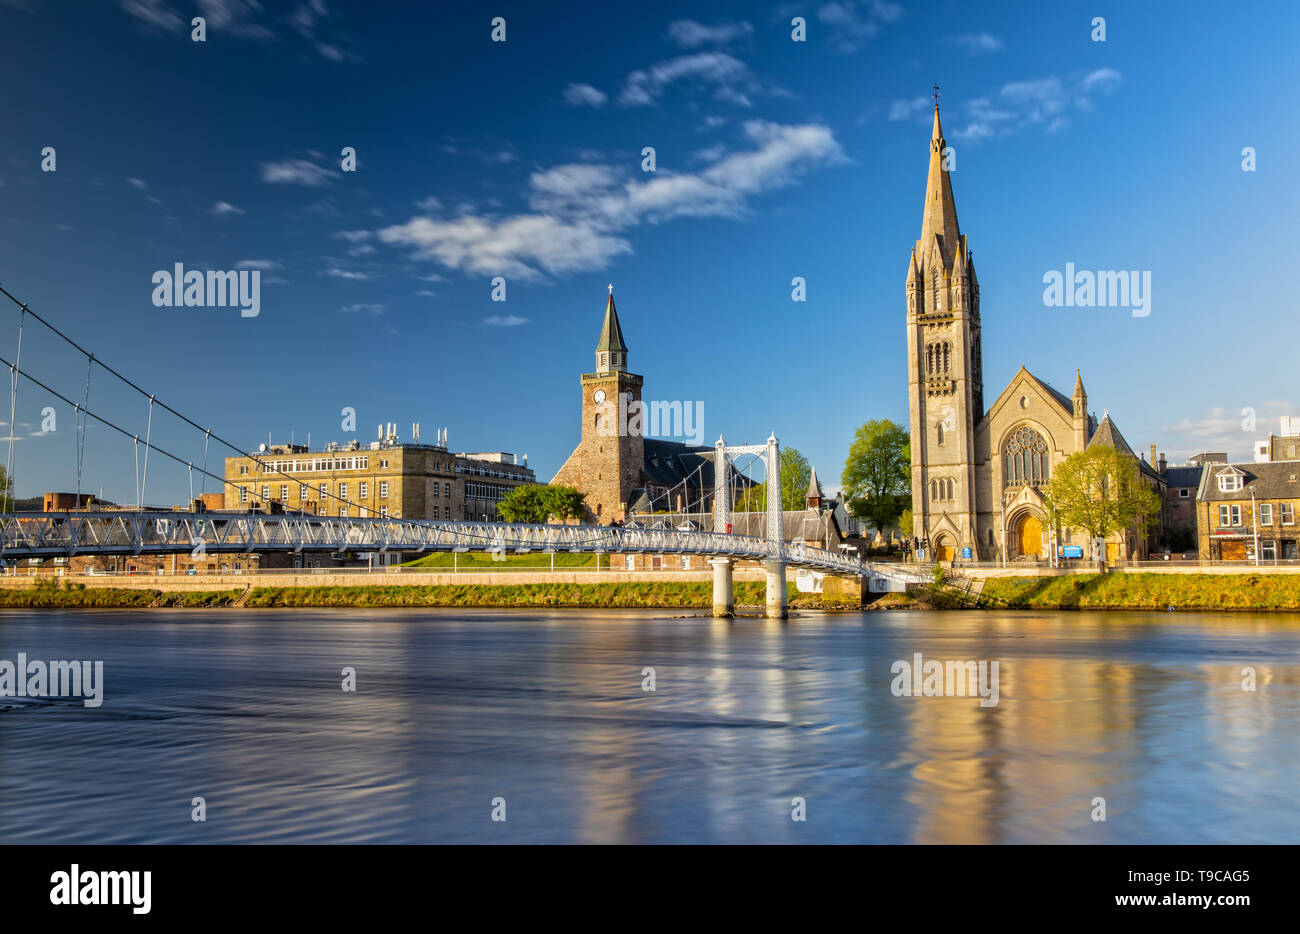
(1101, 491)
(877, 478)
(795, 474)
(564, 502)
(534, 503)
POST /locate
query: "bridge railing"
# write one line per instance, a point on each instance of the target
(136, 533)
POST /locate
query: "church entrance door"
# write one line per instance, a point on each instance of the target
(1029, 536)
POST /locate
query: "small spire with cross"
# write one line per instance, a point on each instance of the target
(611, 288)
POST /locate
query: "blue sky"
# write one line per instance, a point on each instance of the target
(522, 159)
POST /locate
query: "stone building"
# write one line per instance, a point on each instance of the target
(1240, 504)
(389, 479)
(978, 471)
(622, 471)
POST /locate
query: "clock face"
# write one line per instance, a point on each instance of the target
(599, 396)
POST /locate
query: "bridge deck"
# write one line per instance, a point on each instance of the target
(39, 535)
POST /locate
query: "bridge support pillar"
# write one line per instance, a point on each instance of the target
(776, 608)
(724, 601)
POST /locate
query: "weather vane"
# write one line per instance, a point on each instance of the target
(936, 95)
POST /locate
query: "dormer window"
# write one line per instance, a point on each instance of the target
(1229, 482)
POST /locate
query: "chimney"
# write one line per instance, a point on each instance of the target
(1162, 462)
(1153, 455)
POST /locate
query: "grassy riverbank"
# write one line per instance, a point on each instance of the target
(667, 595)
(1145, 592)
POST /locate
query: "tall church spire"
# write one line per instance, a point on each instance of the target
(940, 216)
(611, 352)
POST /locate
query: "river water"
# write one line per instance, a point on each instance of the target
(547, 711)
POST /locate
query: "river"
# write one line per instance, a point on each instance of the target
(543, 717)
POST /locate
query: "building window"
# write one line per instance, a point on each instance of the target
(343, 491)
(1288, 513)
(629, 562)
(1229, 516)
(383, 489)
(324, 490)
(284, 492)
(383, 465)
(686, 562)
(365, 489)
(343, 512)
(1229, 482)
(446, 512)
(435, 490)
(243, 494)
(266, 492)
(1184, 493)
(1265, 513)
(302, 491)
(243, 469)
(1268, 550)
(446, 490)
(939, 432)
(1024, 459)
(383, 512)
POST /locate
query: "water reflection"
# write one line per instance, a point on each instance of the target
(547, 710)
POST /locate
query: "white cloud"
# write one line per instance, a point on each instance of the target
(345, 273)
(297, 172)
(363, 308)
(904, 110)
(505, 321)
(978, 42)
(1043, 102)
(729, 76)
(579, 213)
(137, 183)
(424, 204)
(584, 95)
(1220, 429)
(154, 13)
(689, 34)
(854, 22)
(222, 208)
(235, 17)
(257, 264)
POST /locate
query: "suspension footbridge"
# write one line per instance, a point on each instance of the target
(145, 531)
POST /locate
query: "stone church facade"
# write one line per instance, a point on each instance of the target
(978, 474)
(619, 469)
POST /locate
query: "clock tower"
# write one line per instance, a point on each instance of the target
(608, 462)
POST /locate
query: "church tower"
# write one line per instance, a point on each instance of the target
(607, 464)
(944, 369)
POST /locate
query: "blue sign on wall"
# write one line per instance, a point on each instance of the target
(965, 553)
(1074, 551)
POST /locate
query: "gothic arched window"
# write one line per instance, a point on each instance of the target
(939, 432)
(947, 354)
(1025, 459)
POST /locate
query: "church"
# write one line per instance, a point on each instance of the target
(978, 473)
(622, 471)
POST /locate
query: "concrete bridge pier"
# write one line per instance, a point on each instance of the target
(724, 600)
(776, 607)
